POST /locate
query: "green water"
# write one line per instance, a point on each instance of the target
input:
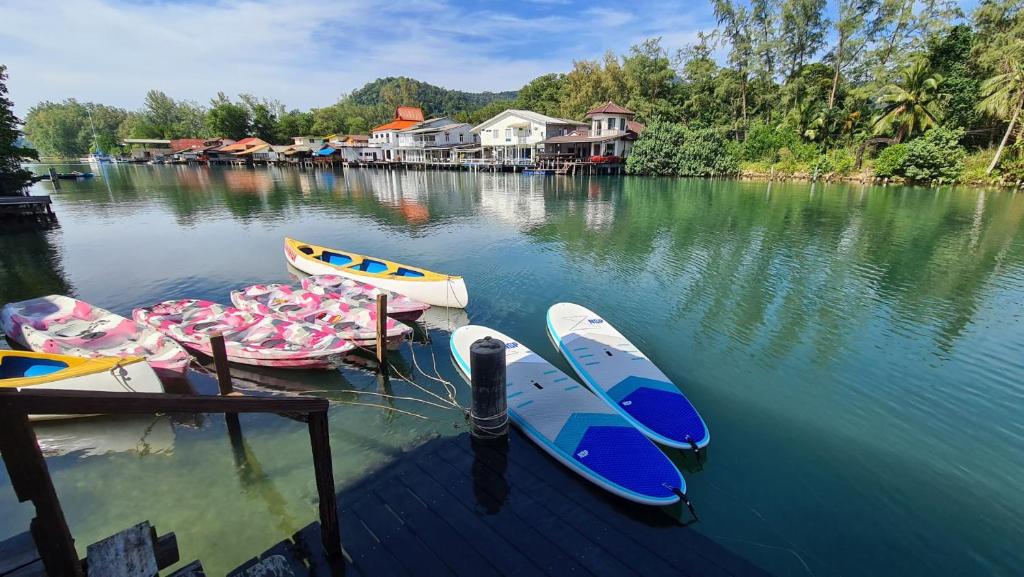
(858, 352)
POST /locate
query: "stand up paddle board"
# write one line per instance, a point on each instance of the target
(625, 378)
(574, 426)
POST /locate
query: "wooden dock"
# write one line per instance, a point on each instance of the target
(452, 508)
(27, 210)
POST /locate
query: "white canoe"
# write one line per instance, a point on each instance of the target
(416, 283)
(29, 370)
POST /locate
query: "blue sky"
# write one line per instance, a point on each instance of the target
(307, 53)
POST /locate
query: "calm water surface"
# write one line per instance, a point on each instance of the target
(858, 352)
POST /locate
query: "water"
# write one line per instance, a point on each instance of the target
(856, 351)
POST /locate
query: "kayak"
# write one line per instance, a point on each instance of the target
(249, 338)
(27, 369)
(356, 324)
(62, 325)
(576, 428)
(360, 294)
(417, 283)
(625, 378)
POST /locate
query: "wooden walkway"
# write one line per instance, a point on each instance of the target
(448, 508)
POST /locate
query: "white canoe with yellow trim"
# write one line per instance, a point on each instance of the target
(420, 284)
(24, 369)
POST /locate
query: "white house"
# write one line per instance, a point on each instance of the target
(517, 136)
(435, 140)
(611, 133)
(385, 136)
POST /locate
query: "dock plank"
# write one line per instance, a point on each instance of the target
(17, 552)
(129, 553)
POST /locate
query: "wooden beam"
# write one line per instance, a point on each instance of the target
(61, 402)
(323, 471)
(220, 362)
(31, 480)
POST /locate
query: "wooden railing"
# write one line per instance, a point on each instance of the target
(31, 480)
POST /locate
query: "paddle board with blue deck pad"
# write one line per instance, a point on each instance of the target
(574, 426)
(625, 378)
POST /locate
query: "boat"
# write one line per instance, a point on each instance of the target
(249, 338)
(423, 285)
(576, 428)
(62, 325)
(360, 294)
(616, 370)
(74, 174)
(353, 323)
(26, 369)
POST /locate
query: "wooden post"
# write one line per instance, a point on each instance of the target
(382, 333)
(490, 405)
(220, 361)
(323, 470)
(31, 480)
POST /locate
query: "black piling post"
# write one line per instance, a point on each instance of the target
(490, 406)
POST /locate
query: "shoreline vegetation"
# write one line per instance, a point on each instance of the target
(880, 90)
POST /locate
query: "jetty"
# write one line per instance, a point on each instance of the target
(27, 210)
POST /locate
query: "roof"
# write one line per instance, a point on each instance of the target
(609, 108)
(395, 125)
(182, 144)
(243, 144)
(528, 115)
(264, 147)
(583, 135)
(634, 126)
(409, 113)
(441, 128)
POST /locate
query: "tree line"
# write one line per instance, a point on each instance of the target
(805, 86)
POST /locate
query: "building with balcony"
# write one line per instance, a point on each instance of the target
(385, 136)
(611, 133)
(435, 140)
(517, 136)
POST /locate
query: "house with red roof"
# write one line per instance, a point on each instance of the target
(611, 133)
(385, 136)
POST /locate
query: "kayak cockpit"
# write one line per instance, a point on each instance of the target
(12, 367)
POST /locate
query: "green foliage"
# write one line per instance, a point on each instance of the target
(13, 178)
(656, 152)
(705, 152)
(434, 100)
(839, 161)
(890, 161)
(226, 119)
(542, 94)
(935, 156)
(668, 149)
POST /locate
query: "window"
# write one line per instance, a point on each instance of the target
(494, 134)
(622, 124)
(508, 134)
(460, 136)
(611, 124)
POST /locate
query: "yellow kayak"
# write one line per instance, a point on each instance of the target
(21, 369)
(416, 283)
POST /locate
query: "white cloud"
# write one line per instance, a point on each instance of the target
(304, 52)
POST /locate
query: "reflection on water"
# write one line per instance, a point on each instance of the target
(856, 351)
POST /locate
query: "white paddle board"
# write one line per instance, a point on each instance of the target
(625, 378)
(574, 426)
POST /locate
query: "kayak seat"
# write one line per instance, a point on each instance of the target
(371, 266)
(14, 367)
(335, 258)
(402, 271)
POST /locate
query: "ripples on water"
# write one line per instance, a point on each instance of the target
(857, 351)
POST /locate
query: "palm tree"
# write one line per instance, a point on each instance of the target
(911, 106)
(1004, 98)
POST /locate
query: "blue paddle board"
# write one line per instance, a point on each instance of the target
(625, 378)
(574, 426)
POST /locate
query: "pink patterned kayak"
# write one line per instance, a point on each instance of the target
(63, 325)
(360, 294)
(249, 338)
(358, 324)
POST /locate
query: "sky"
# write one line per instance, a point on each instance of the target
(307, 53)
